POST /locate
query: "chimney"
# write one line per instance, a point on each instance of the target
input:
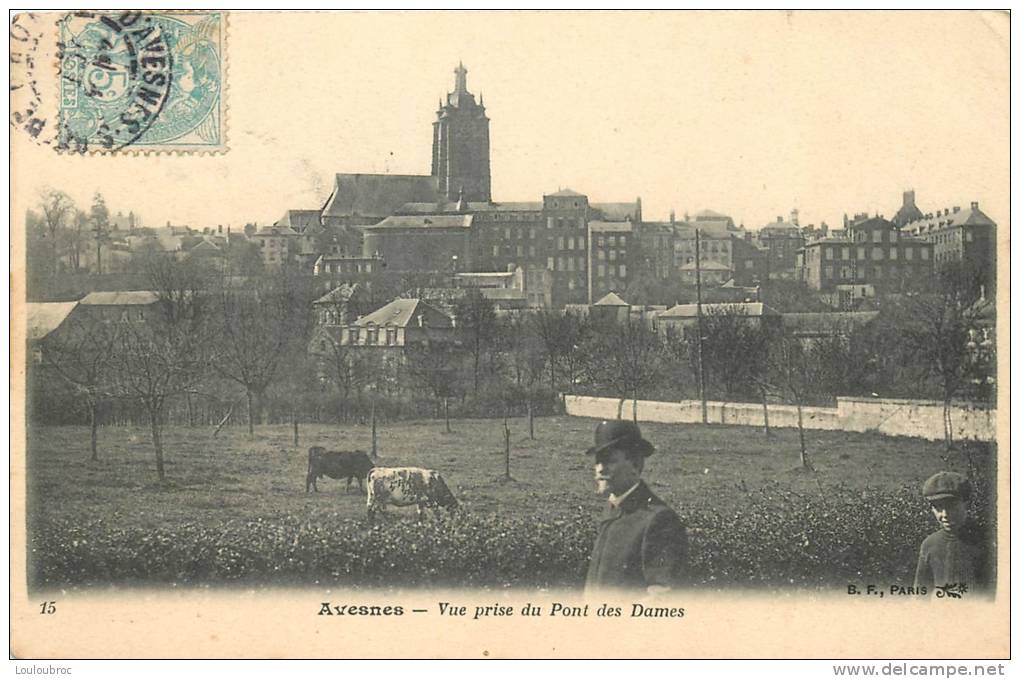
(908, 198)
(672, 216)
(779, 218)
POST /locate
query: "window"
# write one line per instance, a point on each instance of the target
(612, 241)
(924, 254)
(602, 242)
(559, 243)
(581, 264)
(570, 243)
(562, 265)
(749, 264)
(570, 263)
(549, 224)
(860, 252)
(908, 252)
(602, 270)
(876, 254)
(828, 270)
(602, 254)
(531, 251)
(571, 284)
(623, 241)
(531, 232)
(372, 336)
(846, 252)
(550, 264)
(391, 336)
(893, 236)
(970, 236)
(623, 271)
(612, 255)
(828, 253)
(894, 253)
(354, 336)
(580, 222)
(520, 250)
(878, 272)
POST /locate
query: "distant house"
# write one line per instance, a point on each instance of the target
(683, 318)
(129, 305)
(397, 325)
(610, 308)
(712, 273)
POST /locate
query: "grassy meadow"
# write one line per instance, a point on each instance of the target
(730, 484)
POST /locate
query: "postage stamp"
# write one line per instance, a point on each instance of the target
(140, 81)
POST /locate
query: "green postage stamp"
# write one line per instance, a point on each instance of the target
(141, 81)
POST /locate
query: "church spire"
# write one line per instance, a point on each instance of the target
(460, 86)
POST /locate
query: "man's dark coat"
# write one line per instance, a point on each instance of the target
(640, 543)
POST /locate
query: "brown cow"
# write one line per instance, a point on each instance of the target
(337, 465)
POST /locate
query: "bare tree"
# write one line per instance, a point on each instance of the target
(734, 348)
(794, 370)
(257, 327)
(626, 358)
(935, 329)
(477, 326)
(561, 335)
(435, 366)
(81, 355)
(168, 353)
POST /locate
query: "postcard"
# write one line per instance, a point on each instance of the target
(513, 334)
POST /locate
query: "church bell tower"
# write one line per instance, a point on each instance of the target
(460, 144)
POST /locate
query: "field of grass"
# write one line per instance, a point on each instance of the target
(712, 475)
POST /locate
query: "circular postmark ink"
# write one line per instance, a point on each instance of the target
(116, 78)
(28, 101)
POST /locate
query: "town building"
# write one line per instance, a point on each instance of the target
(611, 263)
(781, 240)
(873, 253)
(966, 236)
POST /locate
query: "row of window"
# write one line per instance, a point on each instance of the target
(612, 241)
(565, 222)
(371, 336)
(876, 253)
(862, 273)
(876, 235)
(620, 270)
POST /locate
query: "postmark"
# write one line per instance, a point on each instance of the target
(140, 82)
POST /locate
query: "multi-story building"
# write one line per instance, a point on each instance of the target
(611, 264)
(781, 240)
(873, 253)
(960, 235)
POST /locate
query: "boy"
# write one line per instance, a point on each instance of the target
(955, 555)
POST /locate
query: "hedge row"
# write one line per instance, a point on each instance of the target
(777, 539)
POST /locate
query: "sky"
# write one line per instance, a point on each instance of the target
(747, 113)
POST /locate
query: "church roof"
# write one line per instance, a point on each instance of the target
(472, 206)
(378, 195)
(423, 222)
(569, 193)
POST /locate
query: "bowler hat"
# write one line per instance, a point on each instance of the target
(945, 485)
(622, 434)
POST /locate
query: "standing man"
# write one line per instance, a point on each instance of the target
(641, 542)
(956, 554)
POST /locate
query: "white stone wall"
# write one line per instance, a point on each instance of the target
(893, 417)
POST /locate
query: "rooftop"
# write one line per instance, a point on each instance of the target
(45, 317)
(402, 312)
(739, 308)
(120, 298)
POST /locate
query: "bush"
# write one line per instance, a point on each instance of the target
(777, 539)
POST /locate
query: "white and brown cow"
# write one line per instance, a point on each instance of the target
(406, 486)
